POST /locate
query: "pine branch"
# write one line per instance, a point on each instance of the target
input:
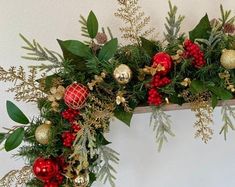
(39, 53)
(84, 29)
(211, 45)
(226, 16)
(161, 126)
(106, 171)
(173, 25)
(227, 116)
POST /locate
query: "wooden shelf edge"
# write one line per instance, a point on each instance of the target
(172, 107)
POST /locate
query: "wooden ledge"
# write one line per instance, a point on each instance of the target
(172, 107)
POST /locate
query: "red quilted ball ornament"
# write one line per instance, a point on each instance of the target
(164, 60)
(45, 169)
(75, 96)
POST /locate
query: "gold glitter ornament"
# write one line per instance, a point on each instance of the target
(228, 59)
(42, 133)
(82, 180)
(122, 74)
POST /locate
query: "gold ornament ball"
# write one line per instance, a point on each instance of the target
(228, 59)
(82, 180)
(122, 74)
(42, 133)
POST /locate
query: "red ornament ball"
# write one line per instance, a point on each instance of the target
(45, 169)
(75, 96)
(164, 60)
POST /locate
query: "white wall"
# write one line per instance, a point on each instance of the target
(184, 161)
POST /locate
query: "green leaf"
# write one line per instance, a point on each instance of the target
(176, 100)
(202, 30)
(100, 139)
(108, 50)
(48, 80)
(92, 25)
(197, 86)
(123, 116)
(221, 92)
(16, 114)
(76, 48)
(2, 137)
(92, 178)
(14, 139)
(214, 101)
(150, 47)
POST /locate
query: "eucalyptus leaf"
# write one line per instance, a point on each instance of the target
(2, 137)
(123, 116)
(176, 100)
(16, 114)
(14, 139)
(197, 86)
(92, 178)
(100, 140)
(150, 47)
(76, 48)
(222, 93)
(108, 50)
(202, 30)
(214, 101)
(92, 25)
(48, 81)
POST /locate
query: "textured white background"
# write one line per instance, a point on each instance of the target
(184, 161)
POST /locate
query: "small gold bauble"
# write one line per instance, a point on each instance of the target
(42, 133)
(82, 180)
(122, 74)
(228, 59)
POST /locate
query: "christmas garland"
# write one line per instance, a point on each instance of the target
(79, 92)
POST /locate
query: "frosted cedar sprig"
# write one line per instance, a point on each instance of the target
(38, 53)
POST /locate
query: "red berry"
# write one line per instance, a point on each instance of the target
(154, 98)
(193, 51)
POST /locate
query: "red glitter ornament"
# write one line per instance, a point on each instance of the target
(75, 96)
(45, 169)
(164, 60)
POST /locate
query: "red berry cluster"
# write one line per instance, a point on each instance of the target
(76, 127)
(70, 114)
(154, 97)
(68, 138)
(193, 50)
(158, 81)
